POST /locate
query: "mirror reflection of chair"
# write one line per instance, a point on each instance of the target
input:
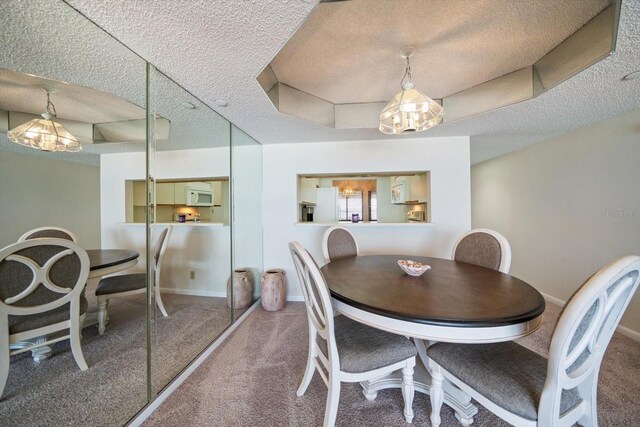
(525, 389)
(343, 348)
(49, 231)
(130, 284)
(41, 293)
(338, 243)
(483, 247)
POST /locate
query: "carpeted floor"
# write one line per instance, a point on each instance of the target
(252, 378)
(113, 389)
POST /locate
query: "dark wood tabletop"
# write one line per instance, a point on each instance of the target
(104, 258)
(450, 294)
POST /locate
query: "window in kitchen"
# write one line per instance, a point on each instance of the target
(350, 206)
(373, 206)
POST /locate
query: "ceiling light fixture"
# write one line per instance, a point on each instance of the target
(45, 134)
(348, 191)
(410, 110)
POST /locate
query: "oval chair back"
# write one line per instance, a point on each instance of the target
(337, 243)
(38, 278)
(582, 335)
(49, 231)
(483, 247)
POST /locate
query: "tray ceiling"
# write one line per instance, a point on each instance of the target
(216, 50)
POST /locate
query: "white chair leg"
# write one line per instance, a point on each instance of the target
(436, 395)
(333, 398)
(102, 313)
(589, 392)
(5, 358)
(310, 369)
(408, 389)
(76, 349)
(159, 301)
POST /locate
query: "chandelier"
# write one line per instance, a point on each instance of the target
(410, 110)
(45, 134)
(348, 191)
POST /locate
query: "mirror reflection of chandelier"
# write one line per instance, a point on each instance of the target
(44, 133)
(348, 191)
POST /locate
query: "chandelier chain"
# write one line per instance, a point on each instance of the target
(51, 109)
(407, 73)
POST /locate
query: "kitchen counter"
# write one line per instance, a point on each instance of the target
(181, 224)
(366, 224)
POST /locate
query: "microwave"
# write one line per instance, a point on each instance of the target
(196, 197)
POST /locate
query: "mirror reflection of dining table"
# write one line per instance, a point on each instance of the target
(451, 302)
(101, 263)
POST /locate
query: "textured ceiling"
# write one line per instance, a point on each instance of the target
(97, 78)
(216, 50)
(348, 52)
(24, 93)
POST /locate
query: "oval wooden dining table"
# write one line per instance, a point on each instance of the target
(451, 302)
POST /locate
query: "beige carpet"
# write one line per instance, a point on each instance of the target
(252, 378)
(55, 392)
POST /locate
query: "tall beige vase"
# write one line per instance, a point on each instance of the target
(242, 288)
(273, 292)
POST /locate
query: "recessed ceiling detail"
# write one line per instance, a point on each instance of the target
(473, 57)
(92, 116)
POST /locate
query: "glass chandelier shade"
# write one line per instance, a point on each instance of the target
(410, 110)
(348, 192)
(45, 134)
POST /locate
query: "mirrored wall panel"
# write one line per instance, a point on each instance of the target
(190, 209)
(246, 172)
(124, 182)
(92, 89)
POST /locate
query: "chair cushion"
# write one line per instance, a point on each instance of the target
(479, 249)
(340, 244)
(123, 283)
(508, 374)
(35, 321)
(362, 348)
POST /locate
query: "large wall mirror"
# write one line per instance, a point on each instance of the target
(190, 176)
(149, 196)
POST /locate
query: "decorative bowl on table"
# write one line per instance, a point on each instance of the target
(413, 268)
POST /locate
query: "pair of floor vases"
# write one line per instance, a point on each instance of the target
(273, 289)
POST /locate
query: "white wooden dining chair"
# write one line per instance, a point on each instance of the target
(341, 349)
(49, 231)
(337, 243)
(483, 247)
(130, 284)
(525, 389)
(41, 293)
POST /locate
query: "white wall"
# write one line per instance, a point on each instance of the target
(568, 205)
(446, 158)
(37, 191)
(204, 250)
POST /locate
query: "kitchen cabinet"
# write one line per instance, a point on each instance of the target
(307, 190)
(180, 193)
(165, 192)
(406, 189)
(139, 193)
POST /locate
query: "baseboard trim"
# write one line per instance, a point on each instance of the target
(295, 298)
(634, 335)
(195, 292)
(171, 387)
